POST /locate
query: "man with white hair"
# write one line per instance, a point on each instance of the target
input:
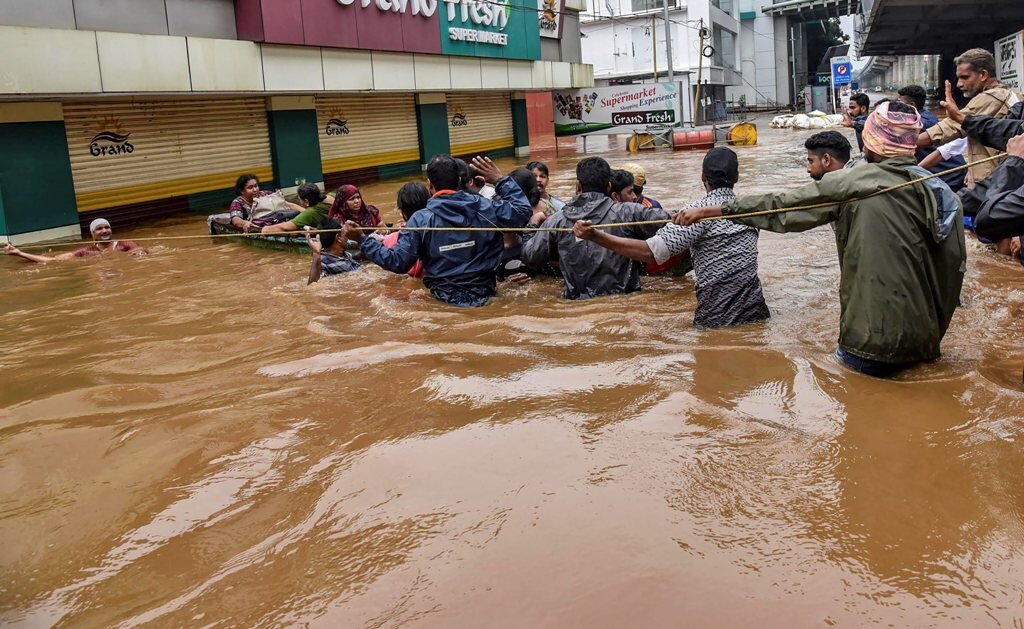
(102, 242)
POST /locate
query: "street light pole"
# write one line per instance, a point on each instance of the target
(668, 42)
(654, 47)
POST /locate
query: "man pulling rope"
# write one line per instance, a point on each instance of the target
(902, 255)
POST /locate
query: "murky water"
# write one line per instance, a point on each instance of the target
(198, 439)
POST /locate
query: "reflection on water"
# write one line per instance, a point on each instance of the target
(197, 438)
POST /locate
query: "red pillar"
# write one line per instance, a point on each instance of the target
(540, 116)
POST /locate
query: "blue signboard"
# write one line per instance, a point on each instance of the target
(842, 71)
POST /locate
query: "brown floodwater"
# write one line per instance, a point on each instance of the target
(197, 438)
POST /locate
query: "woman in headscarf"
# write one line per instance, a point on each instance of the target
(350, 206)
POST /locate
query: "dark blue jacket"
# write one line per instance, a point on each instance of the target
(954, 180)
(459, 266)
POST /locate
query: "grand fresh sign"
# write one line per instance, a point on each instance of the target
(619, 109)
(425, 8)
(491, 28)
(478, 13)
(508, 29)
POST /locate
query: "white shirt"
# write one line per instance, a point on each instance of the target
(954, 148)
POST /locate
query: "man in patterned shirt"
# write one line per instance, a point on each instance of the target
(724, 256)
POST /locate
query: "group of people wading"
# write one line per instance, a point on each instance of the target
(899, 232)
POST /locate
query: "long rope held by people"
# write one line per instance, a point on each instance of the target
(395, 228)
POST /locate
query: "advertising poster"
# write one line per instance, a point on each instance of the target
(616, 109)
(549, 17)
(1010, 61)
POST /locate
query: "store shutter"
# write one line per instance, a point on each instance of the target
(133, 152)
(479, 122)
(361, 134)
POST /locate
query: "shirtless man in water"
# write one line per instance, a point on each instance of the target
(102, 242)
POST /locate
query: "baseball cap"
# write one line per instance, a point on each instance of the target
(639, 176)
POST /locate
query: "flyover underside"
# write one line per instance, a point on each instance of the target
(918, 27)
(809, 10)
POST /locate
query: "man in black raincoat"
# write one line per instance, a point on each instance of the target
(590, 270)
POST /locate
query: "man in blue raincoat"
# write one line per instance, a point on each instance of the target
(459, 266)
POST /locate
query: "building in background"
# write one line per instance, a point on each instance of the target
(763, 56)
(807, 21)
(625, 41)
(141, 109)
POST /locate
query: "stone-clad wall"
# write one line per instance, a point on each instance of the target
(199, 18)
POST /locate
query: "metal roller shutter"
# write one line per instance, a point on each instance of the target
(366, 130)
(479, 123)
(130, 152)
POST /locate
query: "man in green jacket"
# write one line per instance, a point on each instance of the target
(901, 254)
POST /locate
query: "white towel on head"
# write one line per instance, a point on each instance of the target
(99, 222)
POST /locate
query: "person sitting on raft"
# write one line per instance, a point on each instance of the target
(102, 242)
(459, 266)
(335, 260)
(724, 253)
(350, 206)
(902, 255)
(316, 204)
(247, 187)
(590, 270)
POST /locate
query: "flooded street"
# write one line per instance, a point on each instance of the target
(197, 438)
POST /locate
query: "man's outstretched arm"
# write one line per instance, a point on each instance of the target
(631, 248)
(11, 250)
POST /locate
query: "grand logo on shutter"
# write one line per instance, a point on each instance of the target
(337, 123)
(459, 118)
(112, 139)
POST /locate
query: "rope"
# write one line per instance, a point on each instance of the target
(783, 210)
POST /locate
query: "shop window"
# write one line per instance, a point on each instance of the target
(725, 47)
(640, 6)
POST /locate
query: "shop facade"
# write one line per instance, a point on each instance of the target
(161, 117)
